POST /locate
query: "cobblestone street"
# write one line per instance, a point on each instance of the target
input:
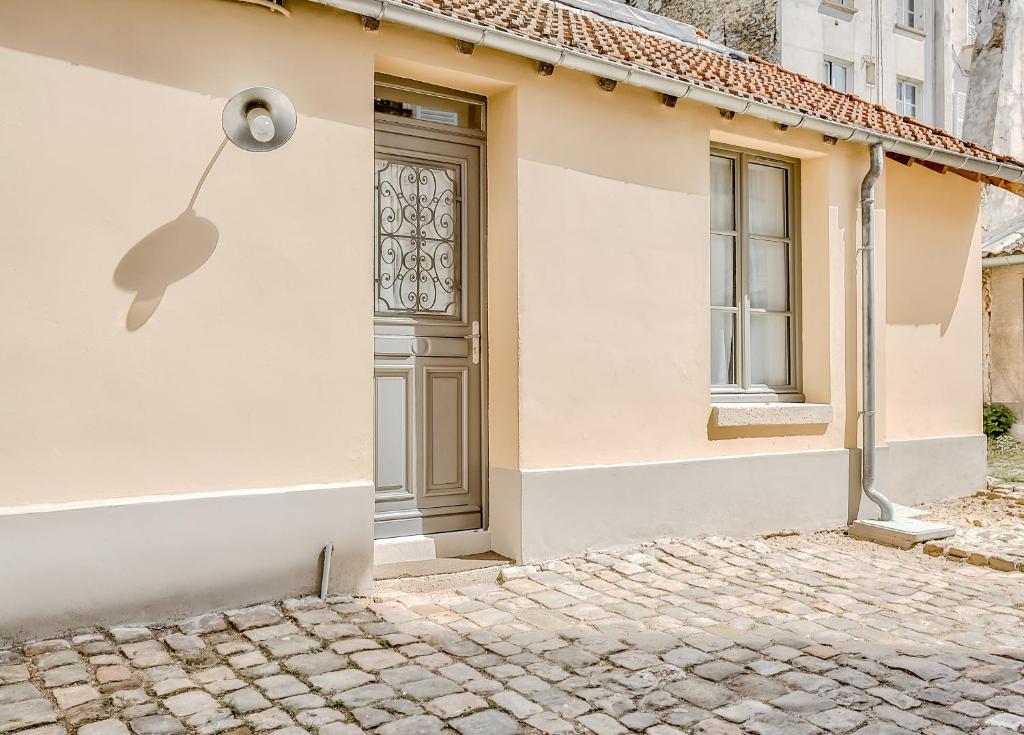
(789, 635)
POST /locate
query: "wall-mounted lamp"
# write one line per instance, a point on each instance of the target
(259, 119)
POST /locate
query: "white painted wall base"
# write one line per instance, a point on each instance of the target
(151, 559)
(569, 511)
(573, 510)
(430, 546)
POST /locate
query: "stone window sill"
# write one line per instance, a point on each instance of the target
(910, 30)
(839, 7)
(770, 414)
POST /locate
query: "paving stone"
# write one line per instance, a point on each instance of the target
(130, 633)
(314, 664)
(802, 702)
(377, 660)
(189, 703)
(269, 719)
(12, 673)
(701, 693)
(203, 624)
(68, 697)
(742, 711)
(365, 695)
(515, 704)
(318, 717)
(778, 723)
(839, 719)
(19, 692)
(920, 667)
(455, 705)
(290, 645)
(488, 722)
(718, 670)
(339, 681)
(246, 700)
(280, 686)
(64, 675)
(340, 728)
(156, 725)
(302, 701)
(185, 643)
(430, 688)
(550, 723)
(254, 617)
(416, 725)
(27, 712)
(57, 658)
(602, 724)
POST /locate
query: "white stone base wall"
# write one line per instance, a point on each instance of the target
(568, 511)
(155, 559)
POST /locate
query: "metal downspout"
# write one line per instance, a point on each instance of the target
(867, 224)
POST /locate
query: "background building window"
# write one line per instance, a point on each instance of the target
(839, 74)
(753, 284)
(907, 94)
(911, 13)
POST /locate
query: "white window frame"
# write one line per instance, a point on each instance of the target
(743, 389)
(829, 63)
(903, 83)
(910, 14)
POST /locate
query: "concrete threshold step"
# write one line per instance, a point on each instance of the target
(437, 574)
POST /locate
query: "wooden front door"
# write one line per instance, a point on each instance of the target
(428, 338)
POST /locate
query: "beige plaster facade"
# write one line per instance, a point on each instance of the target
(242, 366)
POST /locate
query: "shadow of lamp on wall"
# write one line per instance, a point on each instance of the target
(257, 119)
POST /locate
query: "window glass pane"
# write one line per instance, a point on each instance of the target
(723, 280)
(427, 107)
(769, 275)
(839, 77)
(766, 189)
(769, 349)
(723, 351)
(723, 211)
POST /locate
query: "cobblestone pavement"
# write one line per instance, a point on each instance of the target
(786, 636)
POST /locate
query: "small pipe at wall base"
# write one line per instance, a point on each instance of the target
(867, 210)
(325, 576)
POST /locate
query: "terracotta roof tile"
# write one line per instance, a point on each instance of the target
(550, 22)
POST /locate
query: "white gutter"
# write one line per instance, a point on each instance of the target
(600, 67)
(1001, 260)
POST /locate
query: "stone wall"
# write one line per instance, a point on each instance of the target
(746, 25)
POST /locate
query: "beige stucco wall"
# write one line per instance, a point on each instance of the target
(1006, 336)
(932, 312)
(254, 370)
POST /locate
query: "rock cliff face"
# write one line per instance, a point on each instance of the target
(995, 99)
(745, 25)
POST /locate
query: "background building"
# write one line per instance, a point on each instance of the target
(910, 55)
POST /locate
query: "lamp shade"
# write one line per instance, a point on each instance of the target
(259, 119)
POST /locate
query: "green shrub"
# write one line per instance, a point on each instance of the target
(998, 419)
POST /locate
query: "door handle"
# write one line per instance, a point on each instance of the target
(474, 341)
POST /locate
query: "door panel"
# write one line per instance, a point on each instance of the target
(394, 435)
(426, 303)
(446, 419)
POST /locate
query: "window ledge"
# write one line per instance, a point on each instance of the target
(770, 414)
(839, 7)
(919, 32)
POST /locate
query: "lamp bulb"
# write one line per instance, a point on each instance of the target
(261, 124)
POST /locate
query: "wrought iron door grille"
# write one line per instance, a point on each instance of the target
(417, 263)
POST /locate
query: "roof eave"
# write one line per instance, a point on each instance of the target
(995, 171)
